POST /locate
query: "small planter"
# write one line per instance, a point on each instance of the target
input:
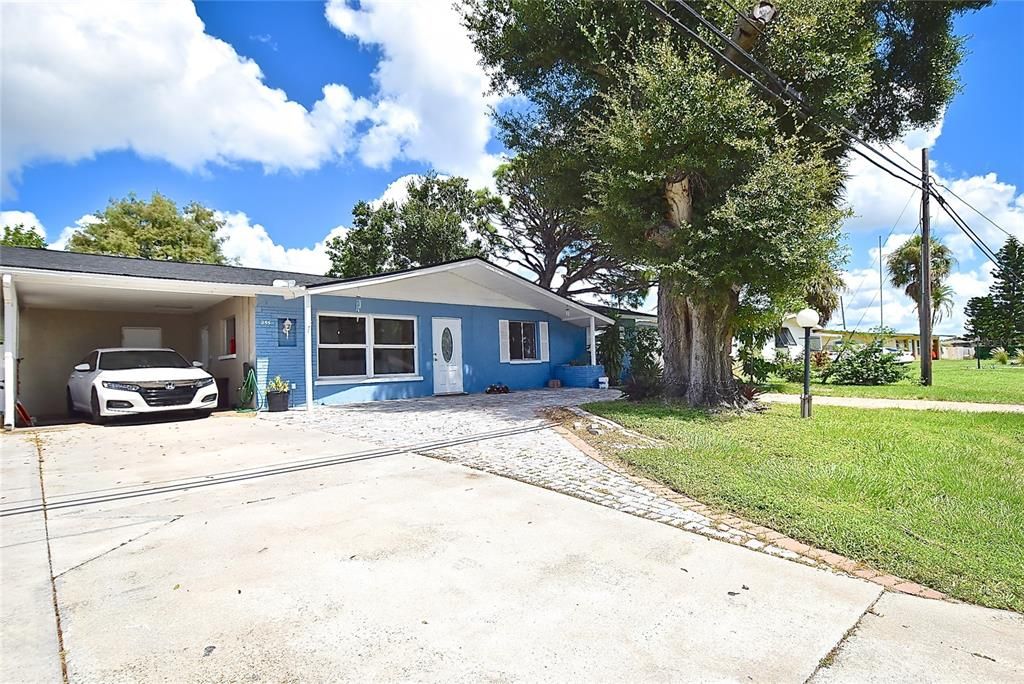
(277, 401)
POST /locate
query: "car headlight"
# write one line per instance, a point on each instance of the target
(204, 382)
(123, 386)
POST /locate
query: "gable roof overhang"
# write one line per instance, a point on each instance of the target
(477, 272)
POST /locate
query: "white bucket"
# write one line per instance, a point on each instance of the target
(602, 383)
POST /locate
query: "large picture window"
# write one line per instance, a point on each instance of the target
(522, 340)
(365, 346)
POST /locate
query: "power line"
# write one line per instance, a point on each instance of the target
(789, 92)
(664, 14)
(972, 207)
(744, 17)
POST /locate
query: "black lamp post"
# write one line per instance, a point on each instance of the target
(807, 319)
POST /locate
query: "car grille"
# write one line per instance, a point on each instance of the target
(158, 394)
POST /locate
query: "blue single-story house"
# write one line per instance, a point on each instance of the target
(451, 328)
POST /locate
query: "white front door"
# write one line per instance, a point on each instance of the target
(447, 355)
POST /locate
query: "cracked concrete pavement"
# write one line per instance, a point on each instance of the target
(390, 565)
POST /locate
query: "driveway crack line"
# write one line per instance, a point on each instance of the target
(829, 658)
(37, 440)
(164, 524)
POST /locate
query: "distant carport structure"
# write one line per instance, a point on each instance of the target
(58, 306)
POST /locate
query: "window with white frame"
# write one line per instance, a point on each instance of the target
(228, 345)
(522, 340)
(365, 346)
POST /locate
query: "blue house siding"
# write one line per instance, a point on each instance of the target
(480, 347)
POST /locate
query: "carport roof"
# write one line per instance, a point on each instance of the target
(74, 262)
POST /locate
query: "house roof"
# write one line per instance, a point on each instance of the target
(481, 271)
(474, 272)
(75, 262)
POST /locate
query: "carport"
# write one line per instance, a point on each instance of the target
(58, 306)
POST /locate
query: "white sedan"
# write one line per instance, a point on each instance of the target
(902, 356)
(120, 381)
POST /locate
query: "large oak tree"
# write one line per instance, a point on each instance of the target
(154, 229)
(733, 198)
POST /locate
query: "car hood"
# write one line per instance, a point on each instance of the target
(153, 374)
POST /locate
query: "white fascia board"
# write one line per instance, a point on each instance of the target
(386, 278)
(444, 268)
(119, 282)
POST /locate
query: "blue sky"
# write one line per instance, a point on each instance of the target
(283, 114)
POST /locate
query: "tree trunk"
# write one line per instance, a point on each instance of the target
(696, 328)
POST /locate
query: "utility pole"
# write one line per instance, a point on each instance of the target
(881, 290)
(842, 310)
(924, 306)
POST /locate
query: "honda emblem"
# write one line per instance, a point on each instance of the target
(169, 386)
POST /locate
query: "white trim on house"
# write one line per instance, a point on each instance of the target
(368, 345)
(121, 282)
(557, 307)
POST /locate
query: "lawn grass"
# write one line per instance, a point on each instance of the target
(951, 381)
(936, 497)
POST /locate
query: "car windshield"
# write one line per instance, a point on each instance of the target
(142, 358)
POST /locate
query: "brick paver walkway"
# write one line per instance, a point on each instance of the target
(533, 448)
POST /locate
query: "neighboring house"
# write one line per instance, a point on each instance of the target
(790, 337)
(903, 341)
(445, 329)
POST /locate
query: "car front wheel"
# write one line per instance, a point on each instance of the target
(94, 406)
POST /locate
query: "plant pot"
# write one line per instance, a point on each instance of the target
(277, 401)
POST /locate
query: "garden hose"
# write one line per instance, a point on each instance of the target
(249, 393)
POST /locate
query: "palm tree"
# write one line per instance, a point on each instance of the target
(942, 302)
(904, 266)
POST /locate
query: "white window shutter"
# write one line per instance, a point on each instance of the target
(544, 355)
(503, 355)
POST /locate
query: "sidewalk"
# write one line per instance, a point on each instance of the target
(912, 404)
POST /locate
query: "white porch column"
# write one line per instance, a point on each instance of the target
(10, 359)
(593, 341)
(307, 339)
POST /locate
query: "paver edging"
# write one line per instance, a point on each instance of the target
(741, 532)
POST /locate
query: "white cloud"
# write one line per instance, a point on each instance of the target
(62, 240)
(82, 78)
(431, 70)
(27, 218)
(251, 245)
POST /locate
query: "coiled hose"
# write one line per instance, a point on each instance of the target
(249, 398)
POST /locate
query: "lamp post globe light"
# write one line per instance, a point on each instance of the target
(807, 319)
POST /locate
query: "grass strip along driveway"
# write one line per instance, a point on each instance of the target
(934, 497)
(952, 381)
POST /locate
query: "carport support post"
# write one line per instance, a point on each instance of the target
(10, 350)
(307, 343)
(593, 341)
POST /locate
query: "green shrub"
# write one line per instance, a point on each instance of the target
(1020, 356)
(611, 349)
(1000, 356)
(643, 384)
(868, 365)
(788, 368)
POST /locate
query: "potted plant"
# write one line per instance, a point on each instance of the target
(277, 395)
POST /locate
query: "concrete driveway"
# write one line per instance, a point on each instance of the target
(241, 548)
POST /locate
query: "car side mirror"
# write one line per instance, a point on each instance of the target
(82, 367)
(197, 364)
